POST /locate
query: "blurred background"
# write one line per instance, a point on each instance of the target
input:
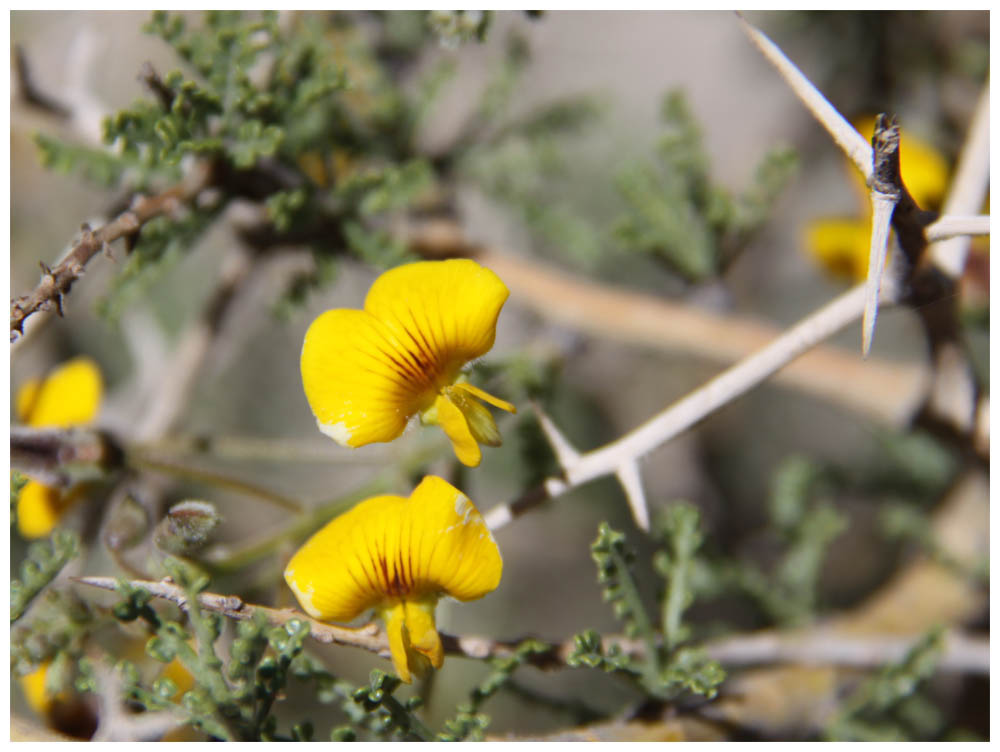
(568, 199)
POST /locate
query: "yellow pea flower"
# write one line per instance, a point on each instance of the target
(841, 245)
(366, 373)
(399, 556)
(69, 396)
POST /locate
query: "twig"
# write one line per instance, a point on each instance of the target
(117, 723)
(688, 411)
(254, 449)
(968, 189)
(154, 83)
(369, 637)
(57, 281)
(46, 453)
(962, 653)
(957, 226)
(143, 462)
(29, 91)
(822, 647)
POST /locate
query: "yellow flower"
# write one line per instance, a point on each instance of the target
(177, 673)
(841, 245)
(69, 396)
(366, 373)
(35, 692)
(399, 556)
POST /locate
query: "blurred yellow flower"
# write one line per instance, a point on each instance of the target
(399, 556)
(177, 673)
(35, 692)
(366, 373)
(841, 245)
(69, 396)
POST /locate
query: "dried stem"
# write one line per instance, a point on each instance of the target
(57, 281)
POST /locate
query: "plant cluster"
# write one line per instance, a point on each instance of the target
(290, 130)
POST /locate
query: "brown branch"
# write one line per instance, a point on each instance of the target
(46, 453)
(808, 647)
(57, 281)
(160, 90)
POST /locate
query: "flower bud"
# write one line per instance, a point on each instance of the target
(187, 528)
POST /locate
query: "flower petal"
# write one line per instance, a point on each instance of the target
(39, 509)
(27, 395)
(421, 625)
(36, 693)
(342, 570)
(360, 387)
(447, 308)
(453, 420)
(365, 373)
(389, 548)
(456, 553)
(395, 627)
(481, 424)
(69, 396)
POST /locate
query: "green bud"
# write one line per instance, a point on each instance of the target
(187, 528)
(161, 650)
(125, 611)
(343, 734)
(164, 688)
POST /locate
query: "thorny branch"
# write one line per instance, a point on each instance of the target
(962, 653)
(927, 291)
(616, 456)
(57, 281)
(929, 284)
(882, 390)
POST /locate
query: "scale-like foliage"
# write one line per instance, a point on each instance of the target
(45, 560)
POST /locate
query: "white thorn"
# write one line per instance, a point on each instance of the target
(849, 140)
(882, 208)
(628, 475)
(956, 226)
(564, 451)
